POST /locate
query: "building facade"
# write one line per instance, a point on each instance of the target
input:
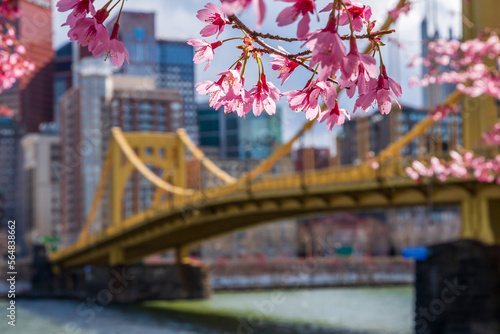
(81, 143)
(170, 62)
(278, 239)
(311, 158)
(220, 130)
(347, 233)
(146, 110)
(63, 74)
(10, 135)
(365, 136)
(259, 136)
(42, 153)
(176, 72)
(421, 226)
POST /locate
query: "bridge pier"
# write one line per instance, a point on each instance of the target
(129, 284)
(121, 284)
(457, 289)
(481, 219)
(182, 255)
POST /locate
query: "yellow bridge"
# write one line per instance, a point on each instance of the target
(176, 216)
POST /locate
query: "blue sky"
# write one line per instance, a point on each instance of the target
(176, 19)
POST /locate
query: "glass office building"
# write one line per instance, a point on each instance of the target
(170, 62)
(176, 71)
(259, 135)
(218, 130)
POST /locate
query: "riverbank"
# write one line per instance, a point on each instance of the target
(294, 273)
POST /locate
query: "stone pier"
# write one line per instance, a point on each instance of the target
(458, 289)
(121, 284)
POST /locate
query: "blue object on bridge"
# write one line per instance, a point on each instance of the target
(419, 253)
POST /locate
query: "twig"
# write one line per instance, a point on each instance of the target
(257, 38)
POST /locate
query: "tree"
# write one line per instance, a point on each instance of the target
(325, 56)
(13, 62)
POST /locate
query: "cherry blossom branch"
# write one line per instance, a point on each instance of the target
(270, 36)
(370, 35)
(467, 64)
(292, 39)
(294, 55)
(269, 49)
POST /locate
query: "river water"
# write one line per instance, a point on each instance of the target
(335, 310)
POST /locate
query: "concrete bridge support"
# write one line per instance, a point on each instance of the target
(130, 284)
(481, 219)
(121, 284)
(458, 289)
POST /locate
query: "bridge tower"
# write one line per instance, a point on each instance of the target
(479, 114)
(480, 211)
(163, 151)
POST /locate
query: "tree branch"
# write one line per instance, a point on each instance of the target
(268, 49)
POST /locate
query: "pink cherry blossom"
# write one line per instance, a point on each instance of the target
(335, 116)
(493, 137)
(412, 173)
(383, 91)
(290, 15)
(80, 9)
(264, 96)
(441, 112)
(307, 99)
(228, 92)
(9, 9)
(205, 51)
(462, 166)
(233, 6)
(215, 17)
(284, 65)
(236, 98)
(90, 31)
(394, 13)
(214, 90)
(357, 63)
(116, 48)
(327, 50)
(359, 16)
(13, 61)
(465, 64)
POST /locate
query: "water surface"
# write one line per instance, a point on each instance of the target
(339, 310)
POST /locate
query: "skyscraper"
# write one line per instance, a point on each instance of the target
(31, 98)
(41, 151)
(170, 62)
(10, 135)
(176, 71)
(81, 143)
(220, 130)
(258, 135)
(63, 74)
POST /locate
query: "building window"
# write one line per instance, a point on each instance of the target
(139, 33)
(175, 106)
